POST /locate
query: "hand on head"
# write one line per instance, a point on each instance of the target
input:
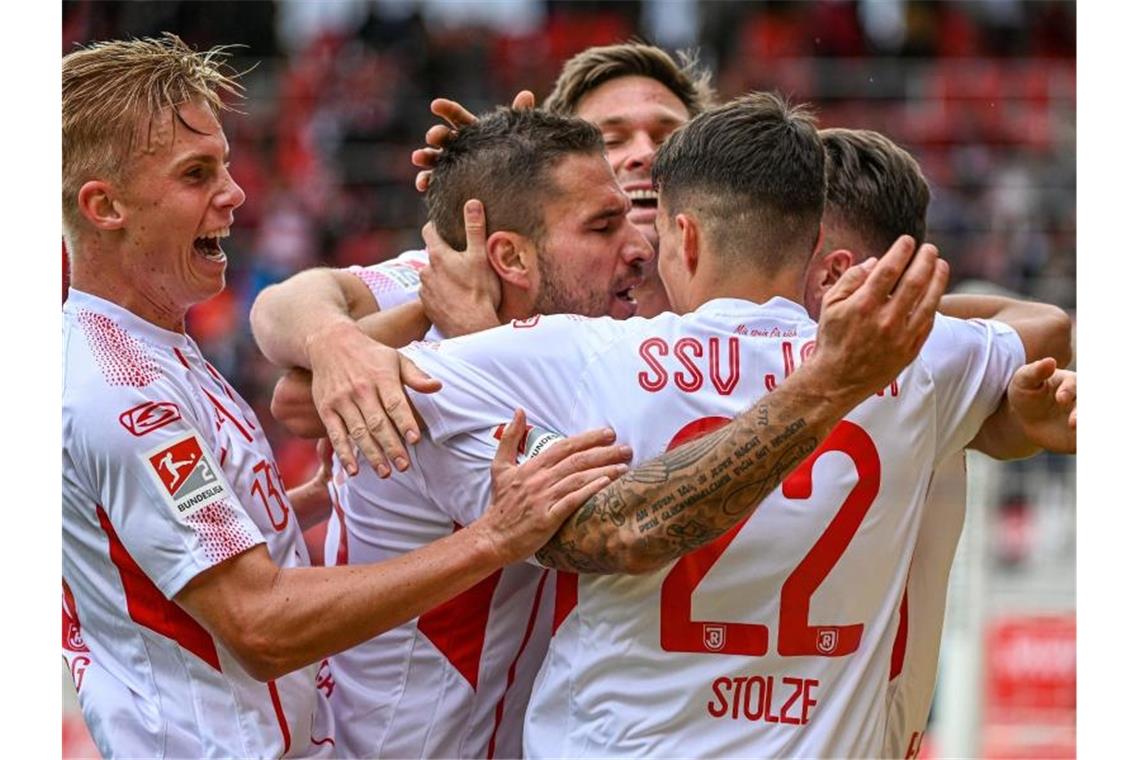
(875, 319)
(438, 136)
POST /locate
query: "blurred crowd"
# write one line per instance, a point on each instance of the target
(983, 93)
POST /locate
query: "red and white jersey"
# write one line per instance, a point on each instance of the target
(914, 658)
(393, 283)
(166, 473)
(455, 681)
(775, 639)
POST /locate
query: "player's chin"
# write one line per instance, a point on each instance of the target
(206, 285)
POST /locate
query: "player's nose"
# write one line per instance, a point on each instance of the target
(636, 249)
(642, 150)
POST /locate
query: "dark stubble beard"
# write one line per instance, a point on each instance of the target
(557, 293)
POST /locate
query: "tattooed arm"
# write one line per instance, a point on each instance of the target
(874, 321)
(673, 503)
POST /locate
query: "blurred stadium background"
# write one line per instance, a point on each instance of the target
(983, 93)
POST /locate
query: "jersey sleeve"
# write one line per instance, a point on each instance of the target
(971, 363)
(393, 282)
(161, 494)
(537, 365)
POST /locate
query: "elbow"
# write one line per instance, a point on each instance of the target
(261, 653)
(637, 555)
(258, 659)
(258, 320)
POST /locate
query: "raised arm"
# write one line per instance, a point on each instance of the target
(873, 323)
(310, 321)
(307, 310)
(1046, 331)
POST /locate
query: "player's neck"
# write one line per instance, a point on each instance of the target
(514, 304)
(94, 274)
(749, 286)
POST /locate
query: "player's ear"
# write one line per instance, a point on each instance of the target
(96, 201)
(832, 266)
(513, 257)
(690, 232)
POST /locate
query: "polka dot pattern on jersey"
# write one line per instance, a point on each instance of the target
(122, 358)
(221, 533)
(376, 281)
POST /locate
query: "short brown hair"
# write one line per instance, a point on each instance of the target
(505, 160)
(753, 171)
(874, 188)
(597, 65)
(109, 86)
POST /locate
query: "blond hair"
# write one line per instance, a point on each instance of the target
(595, 66)
(110, 87)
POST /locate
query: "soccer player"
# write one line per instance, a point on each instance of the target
(186, 591)
(876, 192)
(474, 658)
(559, 242)
(638, 95)
(718, 653)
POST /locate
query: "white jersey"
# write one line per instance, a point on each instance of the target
(393, 283)
(167, 473)
(455, 681)
(914, 658)
(775, 639)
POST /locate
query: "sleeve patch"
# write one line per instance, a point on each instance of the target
(533, 443)
(391, 277)
(188, 477)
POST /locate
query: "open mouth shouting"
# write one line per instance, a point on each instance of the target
(209, 246)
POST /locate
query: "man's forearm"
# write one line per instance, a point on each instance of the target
(285, 619)
(286, 318)
(397, 327)
(1002, 437)
(310, 501)
(689, 496)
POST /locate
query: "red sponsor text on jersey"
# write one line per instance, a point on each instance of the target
(788, 700)
(722, 364)
(149, 416)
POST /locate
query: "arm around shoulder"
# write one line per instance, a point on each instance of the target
(287, 318)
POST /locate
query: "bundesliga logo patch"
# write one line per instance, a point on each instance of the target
(533, 443)
(187, 474)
